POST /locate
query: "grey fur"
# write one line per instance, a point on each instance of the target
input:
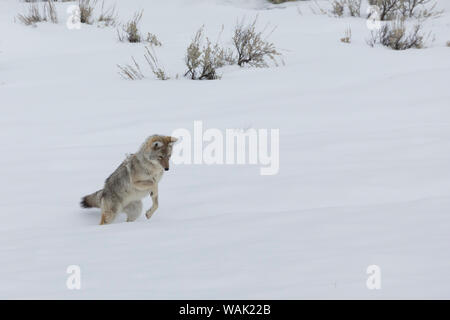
(136, 177)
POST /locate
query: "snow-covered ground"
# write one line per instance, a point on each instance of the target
(364, 173)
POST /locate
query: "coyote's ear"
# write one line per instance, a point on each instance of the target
(157, 145)
(173, 140)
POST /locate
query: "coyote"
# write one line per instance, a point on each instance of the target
(137, 176)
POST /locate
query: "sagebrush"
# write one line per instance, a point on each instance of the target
(396, 36)
(155, 65)
(39, 13)
(130, 31)
(108, 17)
(251, 46)
(347, 36)
(396, 9)
(86, 10)
(131, 71)
(203, 58)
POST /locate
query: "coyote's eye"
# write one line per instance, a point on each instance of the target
(160, 157)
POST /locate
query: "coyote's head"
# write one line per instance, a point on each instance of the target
(159, 149)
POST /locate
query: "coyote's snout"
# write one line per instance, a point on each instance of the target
(136, 177)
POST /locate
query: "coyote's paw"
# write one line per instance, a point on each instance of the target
(150, 212)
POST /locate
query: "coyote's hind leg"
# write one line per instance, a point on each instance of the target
(133, 210)
(109, 212)
(107, 217)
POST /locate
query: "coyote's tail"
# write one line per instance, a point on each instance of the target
(92, 201)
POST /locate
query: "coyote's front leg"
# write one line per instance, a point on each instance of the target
(154, 195)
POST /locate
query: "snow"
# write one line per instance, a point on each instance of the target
(364, 173)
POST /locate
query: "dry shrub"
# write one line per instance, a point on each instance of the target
(387, 8)
(130, 32)
(418, 9)
(131, 29)
(50, 10)
(203, 58)
(353, 7)
(35, 14)
(337, 7)
(251, 46)
(317, 9)
(131, 71)
(395, 36)
(347, 36)
(86, 10)
(153, 40)
(154, 64)
(394, 9)
(108, 17)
